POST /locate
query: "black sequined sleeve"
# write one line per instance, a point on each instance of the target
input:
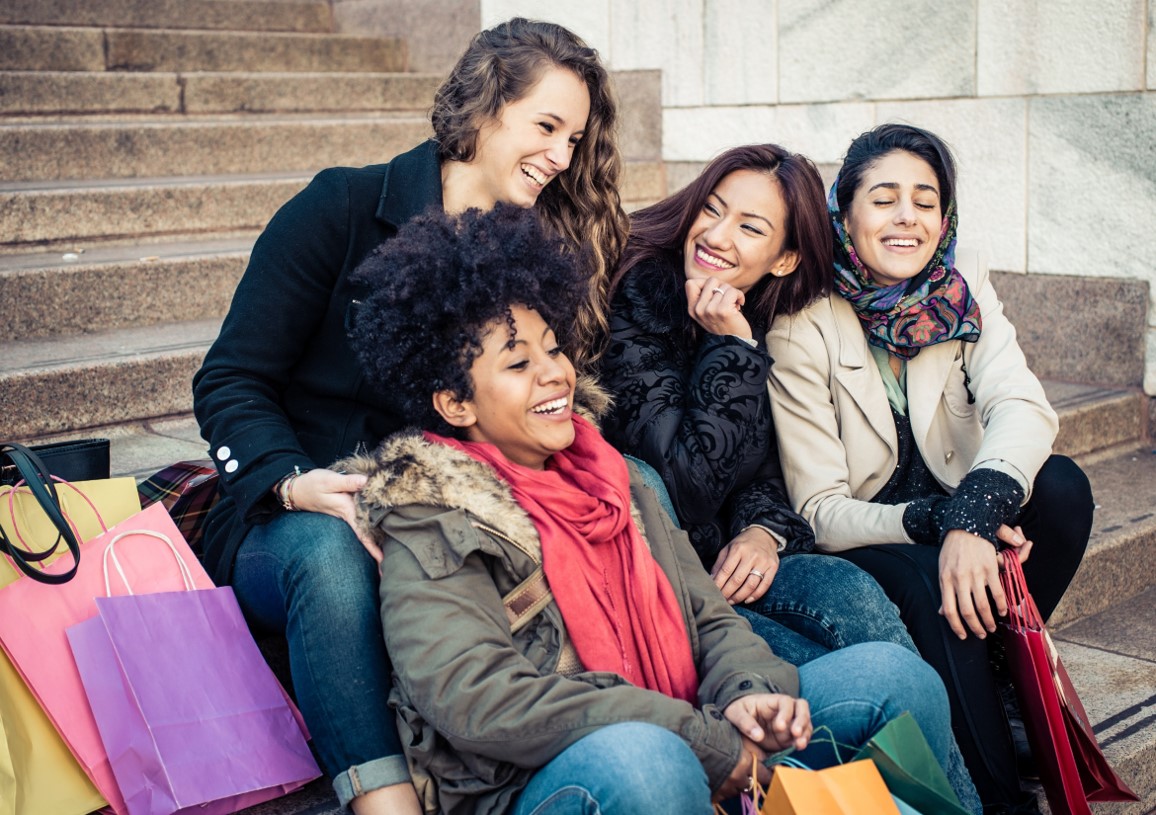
(984, 501)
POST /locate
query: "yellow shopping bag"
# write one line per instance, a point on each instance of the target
(38, 774)
(90, 507)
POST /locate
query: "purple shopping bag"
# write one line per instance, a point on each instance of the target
(190, 715)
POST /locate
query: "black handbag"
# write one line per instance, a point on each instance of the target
(29, 467)
(78, 460)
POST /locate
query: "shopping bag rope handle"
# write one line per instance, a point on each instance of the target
(22, 484)
(110, 554)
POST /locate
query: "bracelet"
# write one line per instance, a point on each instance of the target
(284, 490)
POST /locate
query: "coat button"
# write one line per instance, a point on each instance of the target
(947, 456)
(223, 453)
(716, 714)
(745, 684)
(231, 466)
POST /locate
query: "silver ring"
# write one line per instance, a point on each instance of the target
(715, 291)
(756, 573)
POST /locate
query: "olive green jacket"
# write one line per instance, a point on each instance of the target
(480, 708)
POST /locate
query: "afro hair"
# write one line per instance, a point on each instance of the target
(440, 285)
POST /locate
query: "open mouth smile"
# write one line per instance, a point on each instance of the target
(553, 407)
(535, 175)
(709, 259)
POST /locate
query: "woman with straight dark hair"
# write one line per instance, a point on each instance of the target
(525, 117)
(917, 442)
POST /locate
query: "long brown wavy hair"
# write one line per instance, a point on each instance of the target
(659, 231)
(501, 65)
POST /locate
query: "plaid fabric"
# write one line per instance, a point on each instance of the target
(187, 489)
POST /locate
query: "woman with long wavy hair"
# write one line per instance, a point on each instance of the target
(525, 117)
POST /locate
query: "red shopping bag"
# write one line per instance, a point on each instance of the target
(191, 717)
(33, 619)
(1073, 769)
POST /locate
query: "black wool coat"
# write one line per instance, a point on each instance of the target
(281, 386)
(695, 407)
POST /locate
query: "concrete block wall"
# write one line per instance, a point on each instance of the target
(1049, 106)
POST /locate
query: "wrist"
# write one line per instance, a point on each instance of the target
(776, 540)
(283, 489)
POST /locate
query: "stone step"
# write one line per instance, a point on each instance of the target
(1096, 420)
(202, 145)
(129, 375)
(117, 287)
(250, 15)
(1118, 561)
(48, 48)
(74, 214)
(90, 92)
(1111, 657)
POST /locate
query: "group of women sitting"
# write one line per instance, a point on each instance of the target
(420, 400)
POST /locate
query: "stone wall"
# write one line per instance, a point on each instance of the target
(1050, 106)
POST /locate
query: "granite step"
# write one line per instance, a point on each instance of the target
(63, 384)
(90, 92)
(74, 213)
(251, 15)
(1096, 420)
(43, 48)
(1111, 657)
(145, 147)
(115, 287)
(1118, 561)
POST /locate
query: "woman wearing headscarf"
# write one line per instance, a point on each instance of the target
(915, 439)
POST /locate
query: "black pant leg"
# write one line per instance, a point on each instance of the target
(909, 575)
(1058, 521)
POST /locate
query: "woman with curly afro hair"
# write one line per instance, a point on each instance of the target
(551, 631)
(527, 117)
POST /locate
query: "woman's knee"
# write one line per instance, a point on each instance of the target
(1062, 487)
(623, 768)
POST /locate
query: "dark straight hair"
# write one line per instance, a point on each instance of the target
(659, 231)
(869, 147)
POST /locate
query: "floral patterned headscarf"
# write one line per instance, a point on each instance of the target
(932, 307)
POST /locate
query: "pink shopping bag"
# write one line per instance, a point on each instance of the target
(191, 717)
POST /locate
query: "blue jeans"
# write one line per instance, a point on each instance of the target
(636, 767)
(306, 575)
(817, 605)
(856, 690)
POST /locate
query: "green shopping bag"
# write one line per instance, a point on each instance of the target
(909, 768)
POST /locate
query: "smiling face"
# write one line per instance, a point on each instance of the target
(895, 217)
(739, 235)
(530, 142)
(523, 396)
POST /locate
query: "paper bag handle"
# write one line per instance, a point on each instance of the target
(110, 554)
(1022, 611)
(16, 525)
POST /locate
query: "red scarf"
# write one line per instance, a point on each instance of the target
(619, 607)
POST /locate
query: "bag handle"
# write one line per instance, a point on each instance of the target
(110, 554)
(42, 488)
(1022, 611)
(16, 524)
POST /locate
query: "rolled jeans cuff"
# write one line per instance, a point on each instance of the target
(370, 776)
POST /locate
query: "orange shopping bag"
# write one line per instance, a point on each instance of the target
(843, 789)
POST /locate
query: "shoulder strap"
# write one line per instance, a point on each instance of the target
(526, 599)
